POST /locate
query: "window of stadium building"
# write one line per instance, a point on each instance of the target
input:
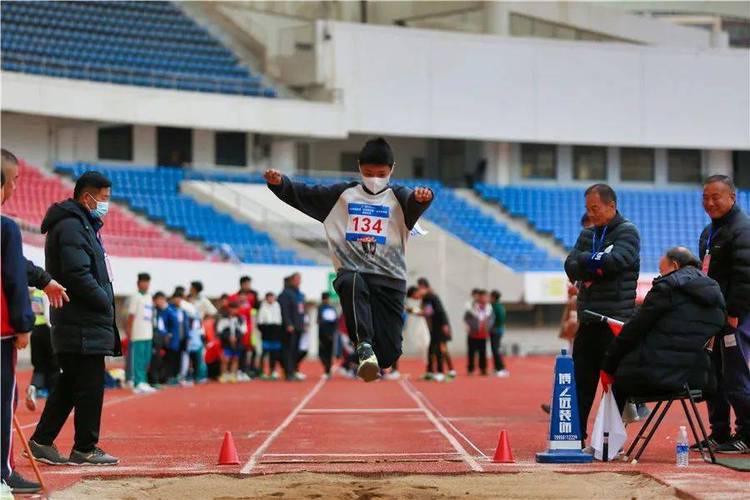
(539, 161)
(231, 149)
(637, 164)
(684, 165)
(589, 163)
(115, 143)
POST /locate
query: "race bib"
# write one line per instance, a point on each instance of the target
(367, 223)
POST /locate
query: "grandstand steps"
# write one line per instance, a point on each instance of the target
(519, 225)
(314, 249)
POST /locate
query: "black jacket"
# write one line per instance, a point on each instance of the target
(37, 277)
(75, 258)
(291, 312)
(612, 291)
(730, 259)
(662, 347)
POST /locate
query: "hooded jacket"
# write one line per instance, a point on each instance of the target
(611, 289)
(75, 257)
(662, 347)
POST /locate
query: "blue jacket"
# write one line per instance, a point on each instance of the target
(169, 326)
(14, 280)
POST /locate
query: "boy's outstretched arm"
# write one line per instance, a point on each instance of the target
(414, 203)
(315, 201)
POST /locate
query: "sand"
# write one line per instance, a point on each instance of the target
(527, 485)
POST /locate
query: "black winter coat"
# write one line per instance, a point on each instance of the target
(75, 258)
(611, 293)
(291, 315)
(662, 347)
(730, 259)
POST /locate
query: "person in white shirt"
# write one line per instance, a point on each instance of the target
(270, 326)
(140, 332)
(202, 304)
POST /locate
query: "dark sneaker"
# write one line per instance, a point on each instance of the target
(19, 484)
(368, 363)
(736, 445)
(712, 442)
(46, 454)
(97, 456)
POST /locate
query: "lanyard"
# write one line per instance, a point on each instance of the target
(709, 239)
(598, 245)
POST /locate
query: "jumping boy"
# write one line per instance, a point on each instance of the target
(367, 224)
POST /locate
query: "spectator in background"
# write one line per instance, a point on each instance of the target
(140, 332)
(479, 322)
(247, 298)
(231, 328)
(17, 321)
(328, 320)
(437, 322)
(496, 335)
(606, 260)
(202, 304)
(43, 359)
(271, 330)
(416, 334)
(165, 321)
(174, 342)
(303, 346)
(84, 329)
(725, 249)
(191, 327)
(292, 305)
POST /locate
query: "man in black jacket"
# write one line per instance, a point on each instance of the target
(725, 248)
(292, 304)
(663, 346)
(83, 330)
(606, 260)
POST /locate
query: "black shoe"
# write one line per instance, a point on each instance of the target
(545, 408)
(19, 484)
(97, 456)
(47, 454)
(712, 441)
(368, 369)
(738, 444)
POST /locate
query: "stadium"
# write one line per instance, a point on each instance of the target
(499, 116)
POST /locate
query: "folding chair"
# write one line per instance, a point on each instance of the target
(660, 410)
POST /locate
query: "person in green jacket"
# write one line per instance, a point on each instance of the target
(496, 335)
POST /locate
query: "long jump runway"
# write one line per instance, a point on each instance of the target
(345, 426)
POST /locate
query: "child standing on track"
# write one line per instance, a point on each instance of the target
(479, 322)
(231, 328)
(367, 224)
(271, 330)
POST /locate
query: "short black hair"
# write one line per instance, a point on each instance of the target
(325, 296)
(245, 279)
(683, 257)
(724, 179)
(90, 179)
(144, 277)
(423, 282)
(159, 295)
(411, 291)
(197, 285)
(8, 159)
(179, 292)
(605, 192)
(376, 152)
(269, 294)
(475, 291)
(495, 295)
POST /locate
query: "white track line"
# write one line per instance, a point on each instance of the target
(470, 461)
(283, 425)
(448, 421)
(362, 410)
(440, 454)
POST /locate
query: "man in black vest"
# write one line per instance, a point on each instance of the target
(606, 260)
(83, 330)
(724, 247)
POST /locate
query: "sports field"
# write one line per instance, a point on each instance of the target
(341, 438)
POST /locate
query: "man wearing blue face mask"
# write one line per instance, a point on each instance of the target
(367, 224)
(84, 329)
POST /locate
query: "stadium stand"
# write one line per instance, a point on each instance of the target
(123, 234)
(156, 193)
(664, 218)
(150, 44)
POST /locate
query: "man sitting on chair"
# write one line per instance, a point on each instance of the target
(662, 347)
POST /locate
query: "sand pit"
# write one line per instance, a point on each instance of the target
(527, 485)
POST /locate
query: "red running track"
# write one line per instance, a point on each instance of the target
(340, 425)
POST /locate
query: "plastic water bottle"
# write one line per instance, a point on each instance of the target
(683, 448)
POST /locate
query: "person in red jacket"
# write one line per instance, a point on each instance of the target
(479, 321)
(247, 298)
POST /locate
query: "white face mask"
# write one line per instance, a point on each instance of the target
(376, 184)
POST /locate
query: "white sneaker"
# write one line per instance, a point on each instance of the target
(394, 375)
(453, 374)
(439, 377)
(242, 377)
(300, 376)
(502, 373)
(5, 492)
(275, 375)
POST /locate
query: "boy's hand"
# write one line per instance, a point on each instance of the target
(423, 194)
(273, 177)
(22, 340)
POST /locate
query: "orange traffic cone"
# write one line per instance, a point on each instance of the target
(503, 453)
(228, 453)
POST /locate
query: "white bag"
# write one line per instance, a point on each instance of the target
(608, 419)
